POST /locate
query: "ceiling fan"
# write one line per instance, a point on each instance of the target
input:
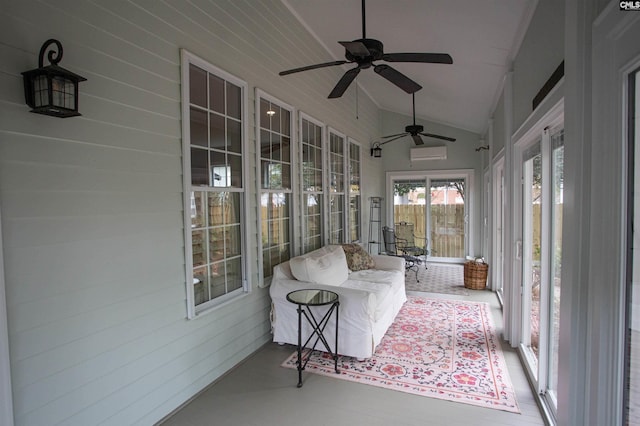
(366, 50)
(415, 130)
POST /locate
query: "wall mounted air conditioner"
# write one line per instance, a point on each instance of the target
(429, 153)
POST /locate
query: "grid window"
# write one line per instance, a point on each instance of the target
(214, 171)
(337, 188)
(275, 182)
(355, 209)
(312, 178)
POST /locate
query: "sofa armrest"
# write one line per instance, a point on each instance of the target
(388, 263)
(354, 303)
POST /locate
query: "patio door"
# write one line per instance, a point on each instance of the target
(542, 202)
(448, 218)
(438, 204)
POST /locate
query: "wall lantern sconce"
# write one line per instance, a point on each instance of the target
(52, 90)
(376, 151)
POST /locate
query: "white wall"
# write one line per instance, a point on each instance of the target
(541, 51)
(92, 205)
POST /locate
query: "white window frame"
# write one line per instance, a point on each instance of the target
(345, 160)
(259, 95)
(534, 130)
(427, 176)
(351, 141)
(323, 144)
(187, 58)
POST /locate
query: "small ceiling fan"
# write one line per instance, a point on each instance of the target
(415, 130)
(366, 50)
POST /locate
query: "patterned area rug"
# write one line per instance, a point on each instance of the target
(438, 348)
(439, 278)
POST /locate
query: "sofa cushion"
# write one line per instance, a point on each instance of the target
(357, 258)
(321, 267)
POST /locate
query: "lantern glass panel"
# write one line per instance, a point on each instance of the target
(63, 92)
(40, 91)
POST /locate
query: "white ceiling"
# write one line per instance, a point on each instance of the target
(482, 36)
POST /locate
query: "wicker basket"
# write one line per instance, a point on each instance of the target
(475, 275)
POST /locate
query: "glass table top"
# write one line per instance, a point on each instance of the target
(312, 297)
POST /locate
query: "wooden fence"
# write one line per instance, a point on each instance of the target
(447, 227)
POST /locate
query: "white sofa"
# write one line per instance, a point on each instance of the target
(369, 299)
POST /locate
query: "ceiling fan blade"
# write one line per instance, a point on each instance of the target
(312, 67)
(417, 139)
(431, 58)
(393, 136)
(402, 135)
(356, 48)
(397, 78)
(344, 83)
(431, 135)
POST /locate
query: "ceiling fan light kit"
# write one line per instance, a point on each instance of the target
(364, 52)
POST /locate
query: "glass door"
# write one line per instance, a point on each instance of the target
(409, 205)
(531, 241)
(437, 204)
(447, 218)
(543, 198)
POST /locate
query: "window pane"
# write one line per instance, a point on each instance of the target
(219, 170)
(286, 123)
(286, 150)
(199, 247)
(232, 240)
(265, 113)
(286, 176)
(216, 94)
(216, 127)
(217, 284)
(198, 209)
(234, 274)
(275, 118)
(216, 208)
(234, 136)
(201, 285)
(197, 86)
(216, 244)
(265, 144)
(234, 100)
(198, 127)
(235, 166)
(199, 167)
(232, 207)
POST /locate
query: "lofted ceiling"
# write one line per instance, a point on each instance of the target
(482, 36)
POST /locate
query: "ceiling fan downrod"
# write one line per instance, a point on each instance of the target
(364, 25)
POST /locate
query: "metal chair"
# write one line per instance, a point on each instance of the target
(392, 248)
(407, 242)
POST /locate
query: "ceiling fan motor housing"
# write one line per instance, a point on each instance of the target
(375, 48)
(414, 129)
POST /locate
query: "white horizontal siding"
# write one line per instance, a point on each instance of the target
(92, 205)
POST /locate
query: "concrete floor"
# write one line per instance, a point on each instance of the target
(260, 392)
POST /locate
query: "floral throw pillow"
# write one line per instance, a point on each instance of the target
(357, 258)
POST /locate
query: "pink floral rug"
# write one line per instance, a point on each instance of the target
(437, 348)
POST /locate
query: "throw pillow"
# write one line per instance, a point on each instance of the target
(357, 258)
(321, 267)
